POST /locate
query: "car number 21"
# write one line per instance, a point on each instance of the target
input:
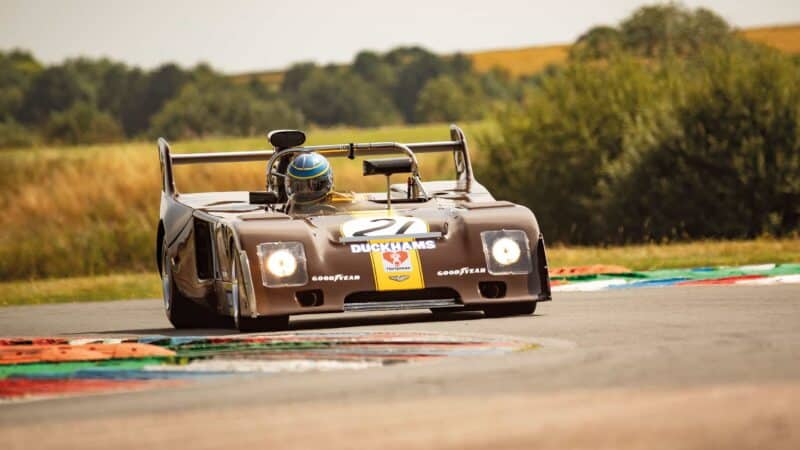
(383, 226)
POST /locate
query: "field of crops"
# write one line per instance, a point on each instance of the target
(785, 38)
(93, 210)
(521, 61)
(529, 60)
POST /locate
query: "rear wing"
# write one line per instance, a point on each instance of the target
(457, 144)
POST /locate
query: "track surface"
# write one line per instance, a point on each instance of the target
(695, 367)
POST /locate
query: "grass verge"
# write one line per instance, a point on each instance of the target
(636, 257)
(680, 255)
(81, 289)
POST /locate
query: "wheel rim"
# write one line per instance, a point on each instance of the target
(166, 282)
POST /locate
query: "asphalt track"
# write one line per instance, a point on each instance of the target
(693, 367)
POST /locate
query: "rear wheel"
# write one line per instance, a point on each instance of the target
(510, 309)
(239, 294)
(181, 312)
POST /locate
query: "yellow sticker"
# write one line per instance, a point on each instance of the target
(396, 268)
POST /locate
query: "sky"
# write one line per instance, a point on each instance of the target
(237, 36)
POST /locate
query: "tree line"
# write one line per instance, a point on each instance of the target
(668, 126)
(86, 100)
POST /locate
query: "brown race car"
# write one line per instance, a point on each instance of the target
(255, 258)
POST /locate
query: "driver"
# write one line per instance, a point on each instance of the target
(309, 183)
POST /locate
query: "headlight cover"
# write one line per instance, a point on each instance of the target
(507, 252)
(282, 264)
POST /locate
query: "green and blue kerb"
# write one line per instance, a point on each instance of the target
(197, 358)
(749, 275)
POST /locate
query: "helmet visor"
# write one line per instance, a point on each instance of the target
(309, 190)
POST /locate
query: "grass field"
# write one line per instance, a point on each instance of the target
(680, 255)
(635, 257)
(81, 289)
(93, 210)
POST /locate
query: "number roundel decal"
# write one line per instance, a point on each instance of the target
(383, 226)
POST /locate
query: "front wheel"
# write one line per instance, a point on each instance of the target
(510, 309)
(181, 312)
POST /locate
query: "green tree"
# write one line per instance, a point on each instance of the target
(551, 152)
(341, 97)
(17, 69)
(460, 65)
(82, 123)
(160, 86)
(599, 42)
(220, 108)
(725, 164)
(54, 89)
(132, 114)
(14, 135)
(443, 99)
(112, 83)
(414, 66)
(498, 85)
(639, 149)
(295, 75)
(373, 69)
(672, 29)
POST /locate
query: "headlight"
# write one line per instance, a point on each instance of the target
(282, 264)
(507, 252)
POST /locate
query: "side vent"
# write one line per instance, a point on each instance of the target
(204, 253)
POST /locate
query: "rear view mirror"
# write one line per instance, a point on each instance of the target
(387, 166)
(281, 139)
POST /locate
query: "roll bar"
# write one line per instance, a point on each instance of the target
(351, 149)
(457, 144)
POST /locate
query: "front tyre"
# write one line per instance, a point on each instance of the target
(181, 312)
(510, 309)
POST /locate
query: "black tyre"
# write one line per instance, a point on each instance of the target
(510, 309)
(181, 312)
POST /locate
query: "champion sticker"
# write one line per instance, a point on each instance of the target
(398, 261)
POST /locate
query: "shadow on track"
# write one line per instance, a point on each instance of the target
(316, 322)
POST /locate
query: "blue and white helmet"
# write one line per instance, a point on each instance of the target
(309, 178)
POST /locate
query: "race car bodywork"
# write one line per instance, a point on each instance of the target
(441, 245)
